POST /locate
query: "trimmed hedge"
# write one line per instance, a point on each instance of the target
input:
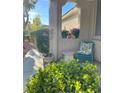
(42, 39)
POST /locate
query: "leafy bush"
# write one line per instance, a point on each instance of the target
(65, 77)
(42, 39)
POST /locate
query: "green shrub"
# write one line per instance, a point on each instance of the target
(42, 39)
(65, 77)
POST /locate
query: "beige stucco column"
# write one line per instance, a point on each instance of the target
(54, 26)
(88, 18)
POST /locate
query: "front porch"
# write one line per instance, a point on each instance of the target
(88, 27)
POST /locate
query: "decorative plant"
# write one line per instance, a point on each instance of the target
(75, 32)
(64, 34)
(65, 77)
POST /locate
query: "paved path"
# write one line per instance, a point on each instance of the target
(28, 70)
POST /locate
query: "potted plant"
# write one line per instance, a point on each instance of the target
(64, 34)
(75, 32)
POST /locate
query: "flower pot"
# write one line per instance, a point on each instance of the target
(76, 35)
(64, 34)
(75, 32)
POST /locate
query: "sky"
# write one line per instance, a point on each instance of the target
(42, 9)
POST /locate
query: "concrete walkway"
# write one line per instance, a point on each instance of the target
(28, 70)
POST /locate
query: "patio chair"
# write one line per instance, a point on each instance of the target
(86, 52)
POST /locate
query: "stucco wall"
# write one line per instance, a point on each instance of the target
(70, 23)
(97, 38)
(97, 49)
(68, 45)
(88, 19)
